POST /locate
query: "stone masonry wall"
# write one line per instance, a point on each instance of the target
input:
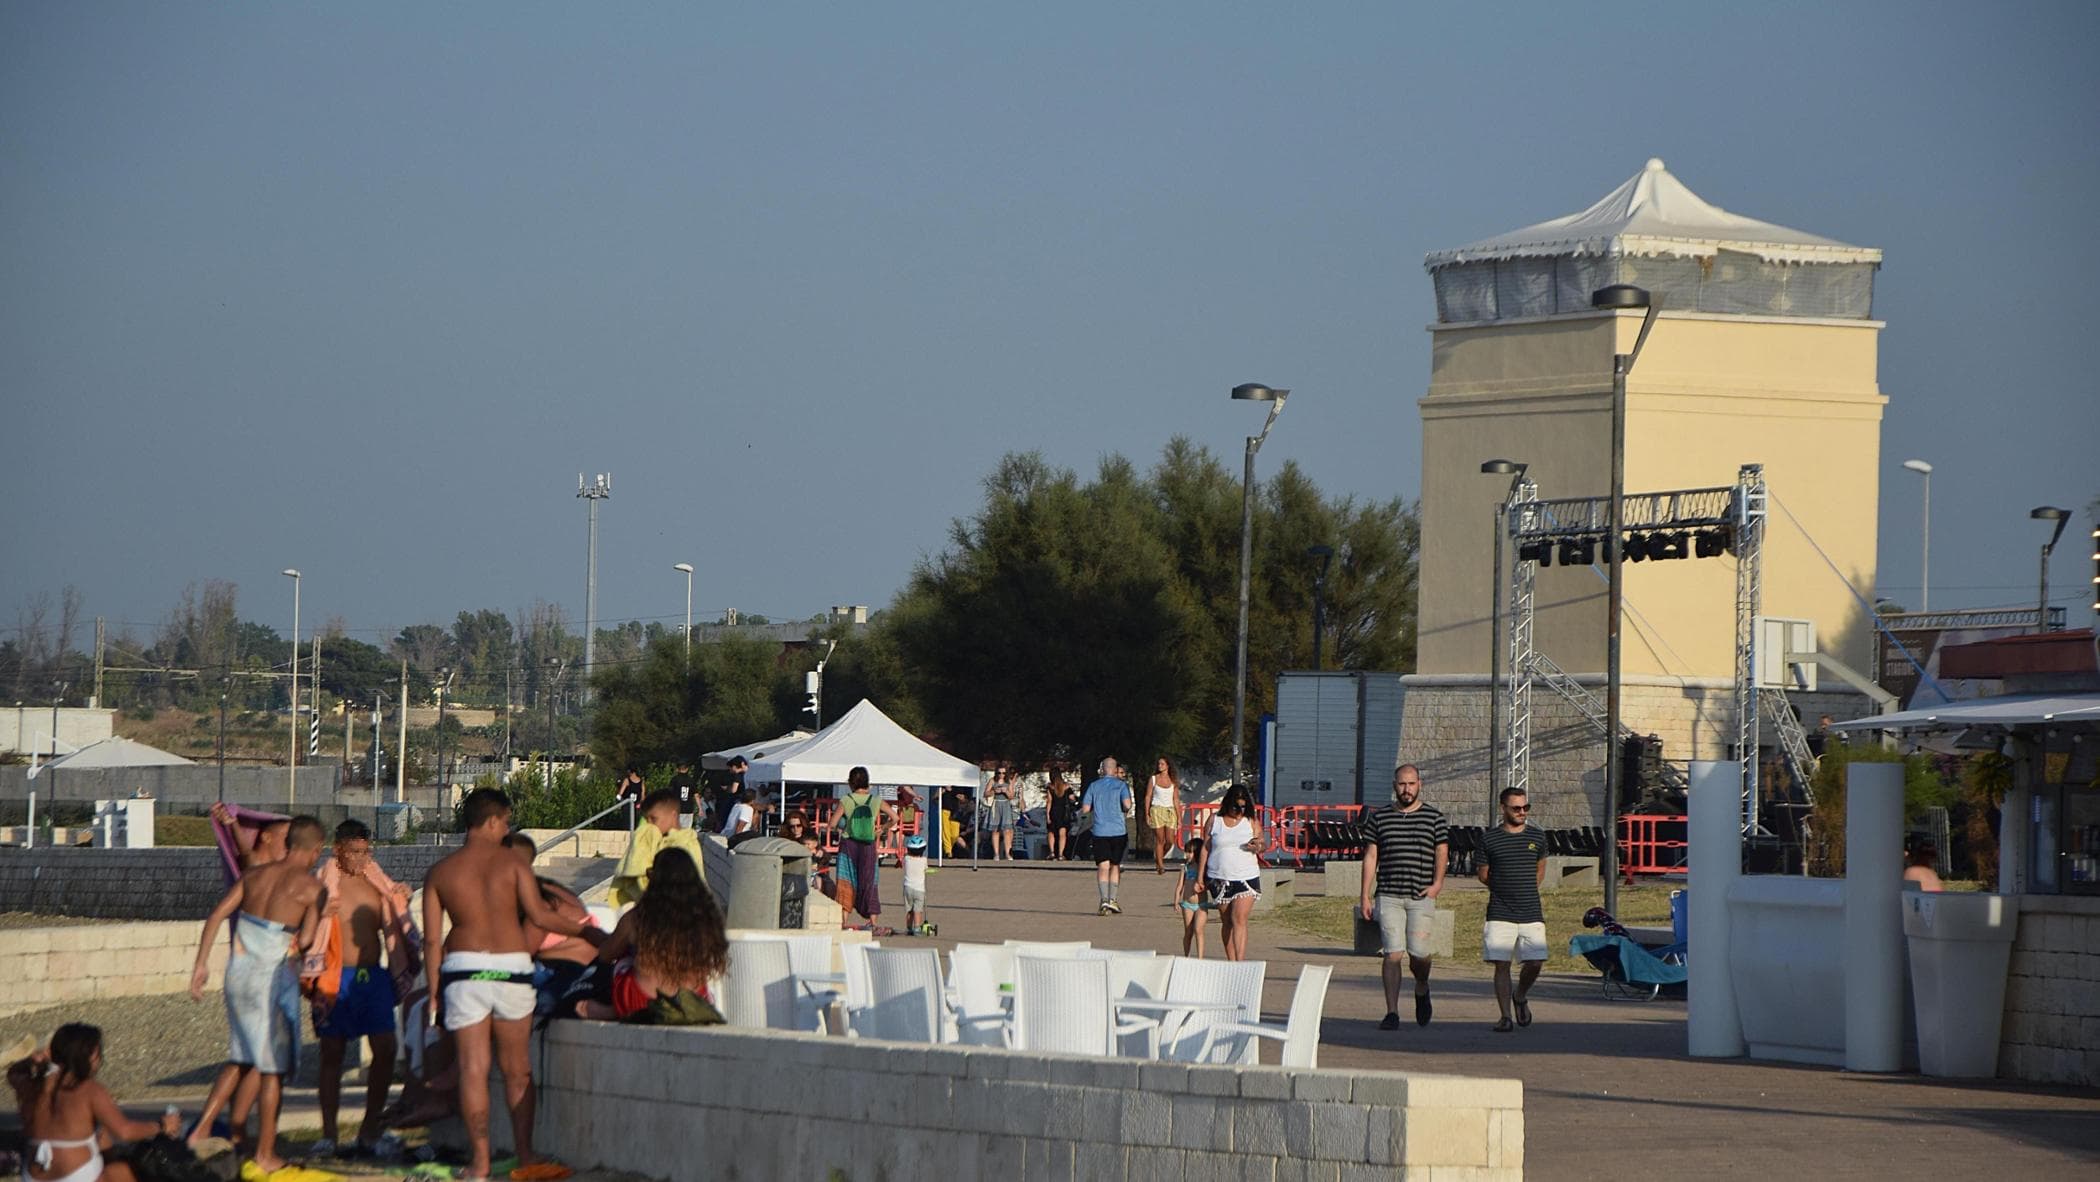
(1444, 731)
(2052, 997)
(159, 884)
(42, 967)
(734, 1104)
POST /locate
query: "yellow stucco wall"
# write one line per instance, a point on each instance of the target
(1711, 393)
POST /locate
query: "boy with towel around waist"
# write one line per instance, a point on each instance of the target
(483, 986)
(276, 911)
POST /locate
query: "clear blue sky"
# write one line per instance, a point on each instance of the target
(361, 288)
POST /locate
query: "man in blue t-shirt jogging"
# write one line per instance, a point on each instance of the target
(1108, 802)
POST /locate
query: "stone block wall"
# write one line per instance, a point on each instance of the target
(42, 967)
(2052, 997)
(733, 1104)
(587, 843)
(159, 884)
(1444, 731)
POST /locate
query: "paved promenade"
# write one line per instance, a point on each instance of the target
(1609, 1091)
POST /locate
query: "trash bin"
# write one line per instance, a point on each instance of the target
(768, 884)
(1960, 947)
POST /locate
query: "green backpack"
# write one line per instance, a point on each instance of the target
(686, 1008)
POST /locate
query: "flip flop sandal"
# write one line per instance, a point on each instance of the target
(435, 1170)
(1504, 1026)
(1523, 1012)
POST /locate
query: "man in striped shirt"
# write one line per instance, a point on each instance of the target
(1512, 862)
(1407, 845)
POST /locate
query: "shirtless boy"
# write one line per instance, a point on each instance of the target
(273, 908)
(483, 986)
(267, 847)
(364, 999)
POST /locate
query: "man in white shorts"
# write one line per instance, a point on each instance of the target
(1408, 845)
(1513, 865)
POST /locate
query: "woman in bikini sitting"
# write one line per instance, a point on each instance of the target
(63, 1108)
(667, 948)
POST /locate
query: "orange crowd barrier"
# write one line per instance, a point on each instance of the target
(1653, 845)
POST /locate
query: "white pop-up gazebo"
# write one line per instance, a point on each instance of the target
(715, 761)
(866, 737)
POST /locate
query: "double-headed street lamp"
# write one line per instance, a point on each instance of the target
(1514, 469)
(1251, 392)
(1619, 297)
(291, 782)
(687, 567)
(2061, 517)
(1925, 560)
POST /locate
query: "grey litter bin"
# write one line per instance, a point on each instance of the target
(1960, 947)
(768, 884)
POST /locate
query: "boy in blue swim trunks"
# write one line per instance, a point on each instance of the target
(364, 999)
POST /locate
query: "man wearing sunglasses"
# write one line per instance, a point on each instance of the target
(1513, 865)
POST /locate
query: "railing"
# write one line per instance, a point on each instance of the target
(593, 819)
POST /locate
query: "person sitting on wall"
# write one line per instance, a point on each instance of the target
(657, 831)
(1920, 867)
(664, 952)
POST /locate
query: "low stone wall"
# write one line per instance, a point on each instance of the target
(42, 967)
(730, 1103)
(2052, 997)
(159, 884)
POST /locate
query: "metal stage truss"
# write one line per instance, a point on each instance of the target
(1728, 519)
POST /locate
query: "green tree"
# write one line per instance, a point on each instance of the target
(1056, 622)
(660, 707)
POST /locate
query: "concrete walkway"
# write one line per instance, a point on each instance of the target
(1609, 1091)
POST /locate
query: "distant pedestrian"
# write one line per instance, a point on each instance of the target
(688, 788)
(1001, 795)
(743, 815)
(1195, 905)
(1513, 865)
(1230, 866)
(1163, 812)
(1404, 859)
(1108, 802)
(1059, 805)
(860, 820)
(1922, 866)
(631, 789)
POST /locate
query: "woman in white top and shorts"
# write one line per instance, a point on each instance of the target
(1163, 813)
(1228, 866)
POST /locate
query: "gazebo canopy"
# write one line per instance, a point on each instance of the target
(864, 737)
(115, 752)
(715, 761)
(1654, 232)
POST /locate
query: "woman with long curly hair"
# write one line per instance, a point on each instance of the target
(671, 944)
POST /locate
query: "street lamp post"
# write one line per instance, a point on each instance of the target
(444, 684)
(687, 567)
(1614, 299)
(1925, 561)
(2061, 517)
(1514, 469)
(291, 781)
(1250, 392)
(1326, 556)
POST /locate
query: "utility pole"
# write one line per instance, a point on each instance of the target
(597, 490)
(443, 686)
(507, 670)
(96, 699)
(222, 741)
(401, 755)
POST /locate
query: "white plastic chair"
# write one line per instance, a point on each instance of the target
(759, 988)
(1300, 1033)
(854, 960)
(1136, 975)
(1237, 982)
(1061, 1005)
(1047, 948)
(975, 972)
(808, 956)
(905, 1001)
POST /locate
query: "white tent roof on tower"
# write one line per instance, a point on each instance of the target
(1655, 214)
(864, 737)
(117, 751)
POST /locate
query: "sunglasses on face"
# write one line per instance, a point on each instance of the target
(1518, 808)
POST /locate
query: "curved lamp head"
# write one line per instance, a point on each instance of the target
(1503, 468)
(290, 573)
(1620, 297)
(685, 567)
(2062, 518)
(1256, 392)
(1919, 466)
